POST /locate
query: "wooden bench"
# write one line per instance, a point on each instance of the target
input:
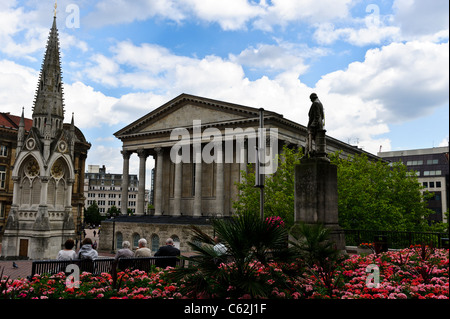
(146, 263)
(101, 265)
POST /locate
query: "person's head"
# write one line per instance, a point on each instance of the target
(169, 241)
(313, 96)
(69, 244)
(142, 242)
(126, 244)
(87, 241)
(217, 240)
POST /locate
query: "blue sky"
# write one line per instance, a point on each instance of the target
(379, 67)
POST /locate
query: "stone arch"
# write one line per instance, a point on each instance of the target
(135, 240)
(176, 241)
(23, 161)
(59, 172)
(29, 171)
(62, 159)
(119, 240)
(154, 242)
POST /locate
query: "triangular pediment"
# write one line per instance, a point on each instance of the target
(183, 110)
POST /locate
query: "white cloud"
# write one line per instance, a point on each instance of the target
(17, 86)
(122, 11)
(405, 80)
(282, 12)
(421, 17)
(230, 14)
(327, 33)
(270, 58)
(23, 34)
(444, 142)
(91, 108)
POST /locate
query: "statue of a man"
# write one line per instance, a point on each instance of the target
(316, 121)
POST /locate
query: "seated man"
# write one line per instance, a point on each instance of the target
(142, 251)
(168, 250)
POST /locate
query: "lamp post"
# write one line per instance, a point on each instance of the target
(259, 177)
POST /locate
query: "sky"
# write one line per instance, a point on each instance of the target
(380, 68)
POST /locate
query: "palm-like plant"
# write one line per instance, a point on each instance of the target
(250, 242)
(313, 244)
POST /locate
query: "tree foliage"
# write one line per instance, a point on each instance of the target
(278, 189)
(378, 195)
(372, 195)
(92, 214)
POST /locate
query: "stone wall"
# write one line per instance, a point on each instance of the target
(130, 231)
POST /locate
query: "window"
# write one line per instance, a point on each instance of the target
(425, 184)
(432, 173)
(432, 161)
(3, 150)
(176, 241)
(412, 163)
(155, 242)
(119, 240)
(431, 184)
(2, 177)
(136, 238)
(438, 184)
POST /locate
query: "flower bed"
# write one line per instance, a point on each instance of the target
(414, 273)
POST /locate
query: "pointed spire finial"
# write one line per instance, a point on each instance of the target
(56, 5)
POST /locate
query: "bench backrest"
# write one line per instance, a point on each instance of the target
(100, 265)
(145, 263)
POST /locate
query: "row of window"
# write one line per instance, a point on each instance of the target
(103, 188)
(420, 162)
(432, 184)
(432, 173)
(103, 210)
(110, 203)
(101, 195)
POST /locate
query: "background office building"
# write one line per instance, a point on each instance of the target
(106, 189)
(432, 169)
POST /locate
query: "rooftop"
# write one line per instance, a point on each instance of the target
(172, 220)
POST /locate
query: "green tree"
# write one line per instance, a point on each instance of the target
(113, 211)
(92, 214)
(372, 195)
(278, 189)
(378, 195)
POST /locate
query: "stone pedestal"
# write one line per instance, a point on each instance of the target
(316, 196)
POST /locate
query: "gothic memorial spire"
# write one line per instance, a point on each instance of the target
(48, 109)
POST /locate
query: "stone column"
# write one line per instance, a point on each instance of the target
(141, 188)
(42, 222)
(125, 181)
(16, 191)
(68, 224)
(198, 185)
(44, 190)
(177, 186)
(158, 181)
(219, 180)
(68, 203)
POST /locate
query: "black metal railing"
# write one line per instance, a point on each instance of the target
(396, 239)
